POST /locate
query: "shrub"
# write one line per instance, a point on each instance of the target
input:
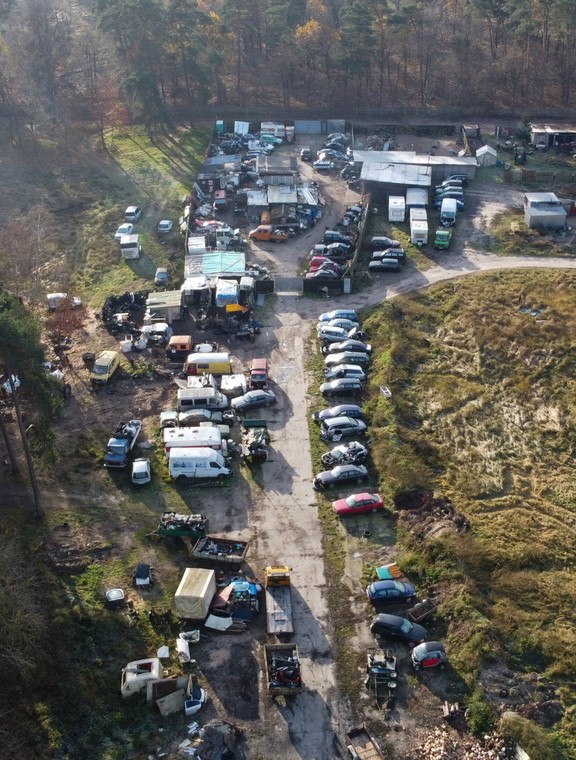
(481, 717)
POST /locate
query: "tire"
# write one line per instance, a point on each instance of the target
(180, 478)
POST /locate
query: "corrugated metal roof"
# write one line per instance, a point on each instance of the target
(282, 194)
(257, 198)
(551, 129)
(402, 174)
(542, 198)
(165, 298)
(396, 157)
(215, 263)
(307, 196)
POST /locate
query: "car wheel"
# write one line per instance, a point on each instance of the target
(375, 509)
(180, 478)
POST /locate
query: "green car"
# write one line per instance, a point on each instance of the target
(442, 239)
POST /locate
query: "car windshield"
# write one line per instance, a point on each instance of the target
(406, 626)
(100, 369)
(352, 501)
(398, 586)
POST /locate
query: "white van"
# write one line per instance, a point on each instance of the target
(194, 437)
(200, 398)
(197, 463)
(130, 247)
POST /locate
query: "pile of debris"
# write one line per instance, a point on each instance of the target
(117, 312)
(424, 515)
(441, 744)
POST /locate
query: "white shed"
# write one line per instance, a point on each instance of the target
(486, 156)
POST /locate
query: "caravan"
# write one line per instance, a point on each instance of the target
(197, 463)
(194, 437)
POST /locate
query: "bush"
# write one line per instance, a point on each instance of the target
(481, 717)
(532, 738)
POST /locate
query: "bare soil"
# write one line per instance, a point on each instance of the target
(274, 507)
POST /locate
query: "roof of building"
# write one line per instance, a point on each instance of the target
(214, 263)
(486, 149)
(542, 198)
(404, 167)
(553, 128)
(282, 194)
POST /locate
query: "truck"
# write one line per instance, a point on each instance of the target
(442, 239)
(278, 598)
(130, 247)
(362, 746)
(268, 234)
(448, 210)
(176, 525)
(228, 551)
(283, 676)
(121, 443)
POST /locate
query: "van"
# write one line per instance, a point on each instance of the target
(194, 437)
(448, 211)
(200, 398)
(178, 348)
(347, 357)
(130, 247)
(104, 367)
(208, 364)
(258, 375)
(197, 463)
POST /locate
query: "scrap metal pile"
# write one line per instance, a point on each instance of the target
(117, 312)
(441, 744)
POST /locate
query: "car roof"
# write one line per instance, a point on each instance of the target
(343, 420)
(393, 620)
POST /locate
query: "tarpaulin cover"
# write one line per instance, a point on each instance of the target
(226, 292)
(195, 593)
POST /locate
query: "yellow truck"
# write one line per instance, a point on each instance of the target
(278, 597)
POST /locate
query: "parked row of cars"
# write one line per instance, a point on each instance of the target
(387, 255)
(330, 259)
(453, 187)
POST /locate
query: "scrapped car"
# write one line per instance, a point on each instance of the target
(322, 273)
(345, 324)
(268, 234)
(390, 253)
(358, 503)
(390, 592)
(329, 334)
(324, 166)
(133, 213)
(253, 400)
(104, 367)
(459, 204)
(352, 452)
(343, 386)
(305, 153)
(348, 344)
(379, 243)
(336, 428)
(165, 226)
(394, 627)
(258, 379)
(341, 410)
(429, 654)
(343, 473)
(141, 471)
(462, 177)
(347, 357)
(124, 229)
(345, 370)
(161, 277)
(449, 183)
(326, 316)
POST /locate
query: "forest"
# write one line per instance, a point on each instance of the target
(111, 62)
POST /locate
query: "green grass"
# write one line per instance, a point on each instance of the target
(527, 242)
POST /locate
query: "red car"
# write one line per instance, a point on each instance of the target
(357, 503)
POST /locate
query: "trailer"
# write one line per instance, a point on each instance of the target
(278, 597)
(381, 676)
(283, 677)
(230, 552)
(421, 611)
(175, 525)
(362, 746)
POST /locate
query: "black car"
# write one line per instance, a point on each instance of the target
(390, 253)
(395, 627)
(341, 410)
(379, 243)
(343, 386)
(384, 265)
(462, 177)
(343, 473)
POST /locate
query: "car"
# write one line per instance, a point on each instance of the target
(270, 139)
(395, 627)
(462, 177)
(390, 592)
(141, 471)
(253, 400)
(456, 183)
(327, 274)
(327, 316)
(104, 367)
(346, 357)
(390, 253)
(459, 204)
(429, 654)
(456, 194)
(349, 344)
(324, 166)
(268, 233)
(335, 236)
(133, 213)
(345, 324)
(345, 370)
(358, 503)
(341, 410)
(161, 277)
(329, 334)
(124, 229)
(165, 226)
(342, 473)
(339, 136)
(327, 154)
(305, 153)
(379, 243)
(328, 266)
(384, 265)
(352, 452)
(336, 428)
(343, 386)
(339, 249)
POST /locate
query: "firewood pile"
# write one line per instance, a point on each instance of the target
(442, 744)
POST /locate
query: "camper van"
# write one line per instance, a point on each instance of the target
(208, 364)
(197, 463)
(194, 437)
(200, 398)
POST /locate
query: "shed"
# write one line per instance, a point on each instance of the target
(545, 216)
(164, 307)
(486, 156)
(195, 593)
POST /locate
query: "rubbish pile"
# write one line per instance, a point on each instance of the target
(423, 514)
(117, 312)
(284, 671)
(442, 745)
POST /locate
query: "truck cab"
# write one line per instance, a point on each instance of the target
(267, 233)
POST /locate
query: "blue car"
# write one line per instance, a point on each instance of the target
(390, 592)
(342, 410)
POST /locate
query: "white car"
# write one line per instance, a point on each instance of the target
(133, 213)
(124, 229)
(165, 226)
(141, 472)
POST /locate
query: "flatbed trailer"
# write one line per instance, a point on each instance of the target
(278, 598)
(279, 659)
(362, 746)
(228, 551)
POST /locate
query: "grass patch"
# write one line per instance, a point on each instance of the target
(525, 241)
